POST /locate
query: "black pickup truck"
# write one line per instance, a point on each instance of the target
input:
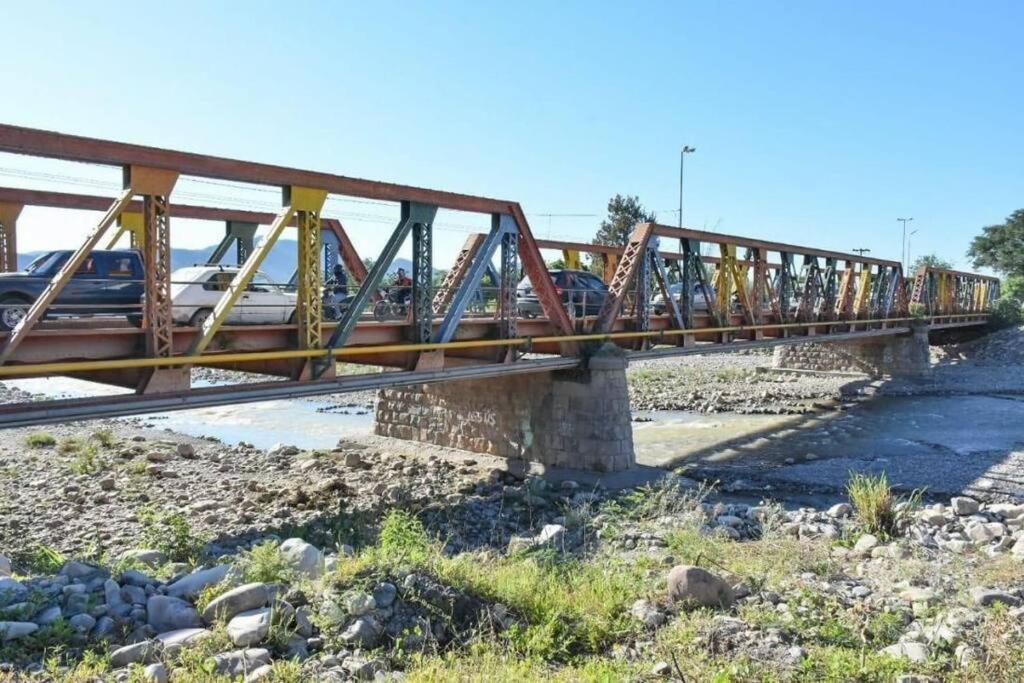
(107, 283)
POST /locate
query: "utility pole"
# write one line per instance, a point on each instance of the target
(903, 244)
(860, 252)
(682, 164)
(909, 256)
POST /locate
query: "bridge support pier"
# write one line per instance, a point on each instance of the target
(576, 419)
(898, 355)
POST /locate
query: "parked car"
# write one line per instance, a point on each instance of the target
(582, 293)
(195, 290)
(699, 302)
(109, 282)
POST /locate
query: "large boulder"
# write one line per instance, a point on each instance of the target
(192, 585)
(239, 662)
(247, 597)
(698, 587)
(12, 630)
(142, 652)
(11, 591)
(250, 627)
(303, 558)
(167, 613)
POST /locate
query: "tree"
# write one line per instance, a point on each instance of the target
(1001, 247)
(623, 215)
(932, 261)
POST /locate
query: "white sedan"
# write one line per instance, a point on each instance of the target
(197, 289)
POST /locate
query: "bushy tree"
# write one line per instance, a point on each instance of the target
(1001, 247)
(932, 261)
(623, 215)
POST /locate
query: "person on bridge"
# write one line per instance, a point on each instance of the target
(401, 291)
(337, 290)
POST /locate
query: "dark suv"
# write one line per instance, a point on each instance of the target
(109, 282)
(582, 293)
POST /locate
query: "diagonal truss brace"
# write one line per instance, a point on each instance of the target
(412, 213)
(633, 260)
(57, 283)
(501, 225)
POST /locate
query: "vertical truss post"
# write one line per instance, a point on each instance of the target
(757, 288)
(829, 290)
(507, 305)
(307, 204)
(844, 303)
(691, 251)
(786, 284)
(643, 290)
(153, 238)
(61, 278)
(422, 281)
(571, 258)
(242, 234)
(806, 306)
(9, 213)
(863, 298)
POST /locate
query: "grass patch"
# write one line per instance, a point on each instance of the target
(87, 460)
(44, 559)
(40, 440)
(104, 437)
(264, 563)
(879, 510)
(170, 533)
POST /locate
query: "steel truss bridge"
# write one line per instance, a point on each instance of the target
(736, 292)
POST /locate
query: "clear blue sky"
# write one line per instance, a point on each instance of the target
(815, 122)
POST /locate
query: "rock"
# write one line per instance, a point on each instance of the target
(931, 517)
(915, 652)
(840, 510)
(662, 670)
(304, 621)
(643, 611)
(362, 632)
(249, 627)
(11, 591)
(552, 534)
(227, 605)
(303, 558)
(962, 505)
(384, 594)
(157, 673)
(262, 673)
(865, 544)
(352, 459)
(142, 652)
(146, 557)
(698, 586)
(49, 615)
(82, 623)
(5, 566)
(364, 669)
(238, 662)
(107, 483)
(192, 585)
(186, 450)
(158, 456)
(167, 613)
(979, 533)
(359, 604)
(519, 543)
(80, 571)
(914, 594)
(986, 597)
(12, 630)
(172, 641)
(1018, 548)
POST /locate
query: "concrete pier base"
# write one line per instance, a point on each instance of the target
(903, 355)
(568, 418)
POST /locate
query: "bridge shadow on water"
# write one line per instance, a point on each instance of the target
(943, 445)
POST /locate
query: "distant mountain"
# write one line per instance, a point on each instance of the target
(279, 264)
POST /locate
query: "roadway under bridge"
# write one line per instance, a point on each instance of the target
(669, 291)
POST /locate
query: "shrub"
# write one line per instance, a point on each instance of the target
(170, 533)
(1005, 312)
(879, 509)
(264, 563)
(917, 310)
(40, 440)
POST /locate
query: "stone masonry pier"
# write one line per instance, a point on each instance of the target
(576, 419)
(903, 355)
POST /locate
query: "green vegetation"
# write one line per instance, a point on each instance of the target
(879, 510)
(170, 533)
(624, 212)
(264, 564)
(40, 440)
(87, 460)
(1006, 312)
(1001, 247)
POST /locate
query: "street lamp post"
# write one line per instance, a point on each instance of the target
(903, 244)
(682, 164)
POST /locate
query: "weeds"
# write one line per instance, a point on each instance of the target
(44, 559)
(264, 563)
(879, 510)
(104, 437)
(87, 460)
(40, 440)
(170, 533)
